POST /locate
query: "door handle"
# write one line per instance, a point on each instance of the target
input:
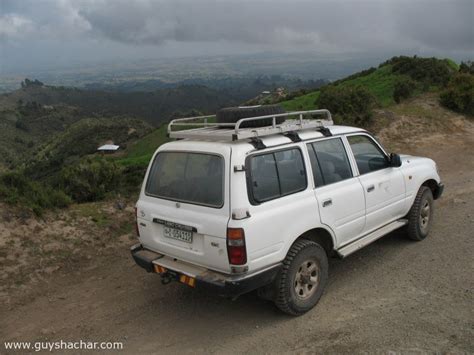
(370, 188)
(327, 202)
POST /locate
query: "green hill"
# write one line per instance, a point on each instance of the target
(80, 139)
(25, 127)
(427, 73)
(140, 152)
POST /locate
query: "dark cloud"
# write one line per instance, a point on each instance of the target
(272, 23)
(333, 26)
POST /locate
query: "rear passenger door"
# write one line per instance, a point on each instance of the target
(339, 194)
(384, 186)
(282, 203)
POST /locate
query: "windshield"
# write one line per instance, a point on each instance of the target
(196, 178)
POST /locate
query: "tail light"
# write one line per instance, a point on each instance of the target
(136, 223)
(236, 246)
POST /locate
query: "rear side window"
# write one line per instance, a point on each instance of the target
(276, 174)
(187, 177)
(329, 161)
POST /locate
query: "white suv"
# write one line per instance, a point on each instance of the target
(234, 207)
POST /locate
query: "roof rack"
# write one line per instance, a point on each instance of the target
(206, 130)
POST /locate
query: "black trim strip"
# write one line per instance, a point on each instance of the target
(175, 225)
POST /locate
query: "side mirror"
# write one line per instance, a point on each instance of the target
(395, 160)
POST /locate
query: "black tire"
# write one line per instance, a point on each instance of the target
(287, 298)
(420, 215)
(233, 114)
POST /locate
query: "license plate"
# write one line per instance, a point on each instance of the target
(178, 234)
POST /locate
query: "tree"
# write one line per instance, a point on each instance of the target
(459, 95)
(403, 89)
(467, 67)
(29, 83)
(429, 71)
(350, 105)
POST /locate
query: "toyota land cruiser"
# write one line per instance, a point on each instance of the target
(257, 198)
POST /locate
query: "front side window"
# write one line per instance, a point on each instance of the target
(368, 156)
(195, 178)
(329, 161)
(276, 174)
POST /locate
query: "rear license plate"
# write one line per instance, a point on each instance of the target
(178, 234)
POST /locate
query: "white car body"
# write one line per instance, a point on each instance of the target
(352, 212)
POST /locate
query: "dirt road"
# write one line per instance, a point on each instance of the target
(394, 295)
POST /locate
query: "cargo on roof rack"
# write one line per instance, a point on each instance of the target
(200, 128)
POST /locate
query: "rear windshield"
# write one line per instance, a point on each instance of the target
(188, 177)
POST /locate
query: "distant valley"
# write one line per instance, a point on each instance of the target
(36, 113)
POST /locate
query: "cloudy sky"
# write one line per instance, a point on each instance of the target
(55, 32)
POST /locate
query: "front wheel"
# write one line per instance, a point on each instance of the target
(302, 279)
(420, 216)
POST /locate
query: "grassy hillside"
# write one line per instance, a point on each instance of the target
(304, 102)
(140, 152)
(25, 127)
(381, 81)
(82, 138)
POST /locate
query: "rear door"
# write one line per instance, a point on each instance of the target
(340, 195)
(183, 209)
(282, 203)
(384, 186)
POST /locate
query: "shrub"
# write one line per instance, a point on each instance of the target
(132, 178)
(467, 67)
(403, 89)
(16, 188)
(430, 71)
(90, 179)
(459, 95)
(21, 124)
(350, 105)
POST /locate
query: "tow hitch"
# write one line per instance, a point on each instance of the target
(166, 278)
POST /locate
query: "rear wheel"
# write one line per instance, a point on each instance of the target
(420, 215)
(303, 277)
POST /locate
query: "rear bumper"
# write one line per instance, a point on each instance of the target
(201, 278)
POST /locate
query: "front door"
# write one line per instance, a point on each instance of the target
(384, 186)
